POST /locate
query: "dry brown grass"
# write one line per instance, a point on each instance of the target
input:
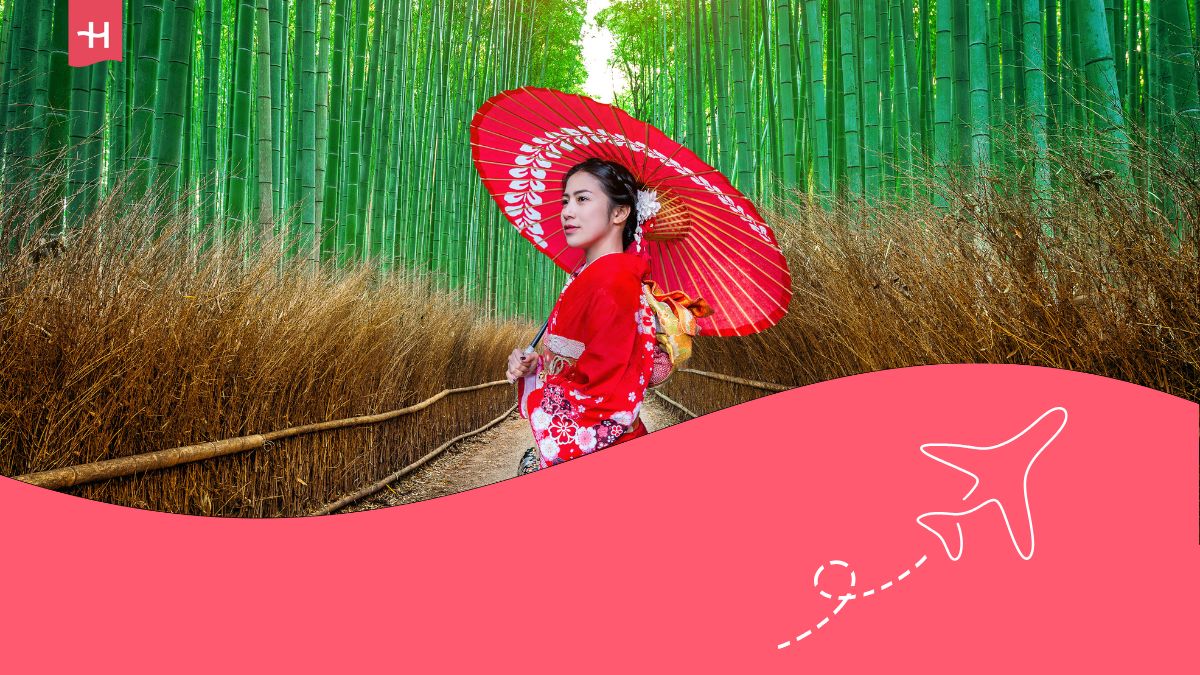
(901, 285)
(124, 342)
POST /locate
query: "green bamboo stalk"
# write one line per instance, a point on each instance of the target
(81, 85)
(322, 120)
(818, 111)
(1008, 61)
(239, 125)
(960, 14)
(1035, 95)
(992, 49)
(331, 225)
(724, 155)
(1096, 51)
(277, 17)
(785, 86)
(943, 130)
(1018, 65)
(8, 16)
(835, 98)
(923, 111)
(210, 87)
(1053, 62)
(58, 99)
(349, 207)
(145, 87)
(1120, 46)
(265, 131)
(363, 180)
(887, 123)
(1179, 48)
(871, 139)
(848, 35)
(306, 161)
(981, 139)
(382, 146)
(1133, 74)
(902, 79)
(177, 44)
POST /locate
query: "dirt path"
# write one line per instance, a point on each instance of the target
(484, 459)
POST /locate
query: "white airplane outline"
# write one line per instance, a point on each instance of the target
(1003, 512)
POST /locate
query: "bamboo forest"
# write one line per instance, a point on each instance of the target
(348, 117)
(950, 181)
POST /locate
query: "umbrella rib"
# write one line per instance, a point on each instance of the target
(703, 288)
(553, 119)
(514, 127)
(678, 147)
(635, 170)
(713, 246)
(665, 260)
(721, 279)
(510, 125)
(603, 149)
(717, 250)
(675, 174)
(554, 258)
(552, 160)
(611, 152)
(700, 285)
(781, 286)
(717, 228)
(646, 126)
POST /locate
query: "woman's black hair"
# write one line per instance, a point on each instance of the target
(620, 186)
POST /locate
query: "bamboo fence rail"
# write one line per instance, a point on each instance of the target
(768, 386)
(82, 474)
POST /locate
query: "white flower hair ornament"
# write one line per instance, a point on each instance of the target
(647, 208)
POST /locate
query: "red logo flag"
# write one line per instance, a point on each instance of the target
(94, 31)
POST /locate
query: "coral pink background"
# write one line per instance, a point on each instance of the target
(690, 550)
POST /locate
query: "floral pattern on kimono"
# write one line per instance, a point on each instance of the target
(586, 389)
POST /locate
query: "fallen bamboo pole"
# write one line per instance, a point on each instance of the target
(376, 487)
(768, 386)
(82, 474)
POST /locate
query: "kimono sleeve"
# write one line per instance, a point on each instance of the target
(613, 335)
(599, 403)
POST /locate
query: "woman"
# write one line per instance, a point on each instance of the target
(584, 392)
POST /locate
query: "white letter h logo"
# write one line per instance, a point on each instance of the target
(91, 35)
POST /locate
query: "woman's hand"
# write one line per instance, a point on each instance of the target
(520, 364)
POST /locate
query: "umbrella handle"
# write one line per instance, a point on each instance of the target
(537, 338)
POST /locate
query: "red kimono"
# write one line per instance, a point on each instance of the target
(586, 389)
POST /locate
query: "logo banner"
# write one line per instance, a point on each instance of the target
(94, 32)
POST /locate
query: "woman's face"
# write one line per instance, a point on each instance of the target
(585, 212)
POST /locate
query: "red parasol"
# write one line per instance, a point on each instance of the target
(707, 239)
